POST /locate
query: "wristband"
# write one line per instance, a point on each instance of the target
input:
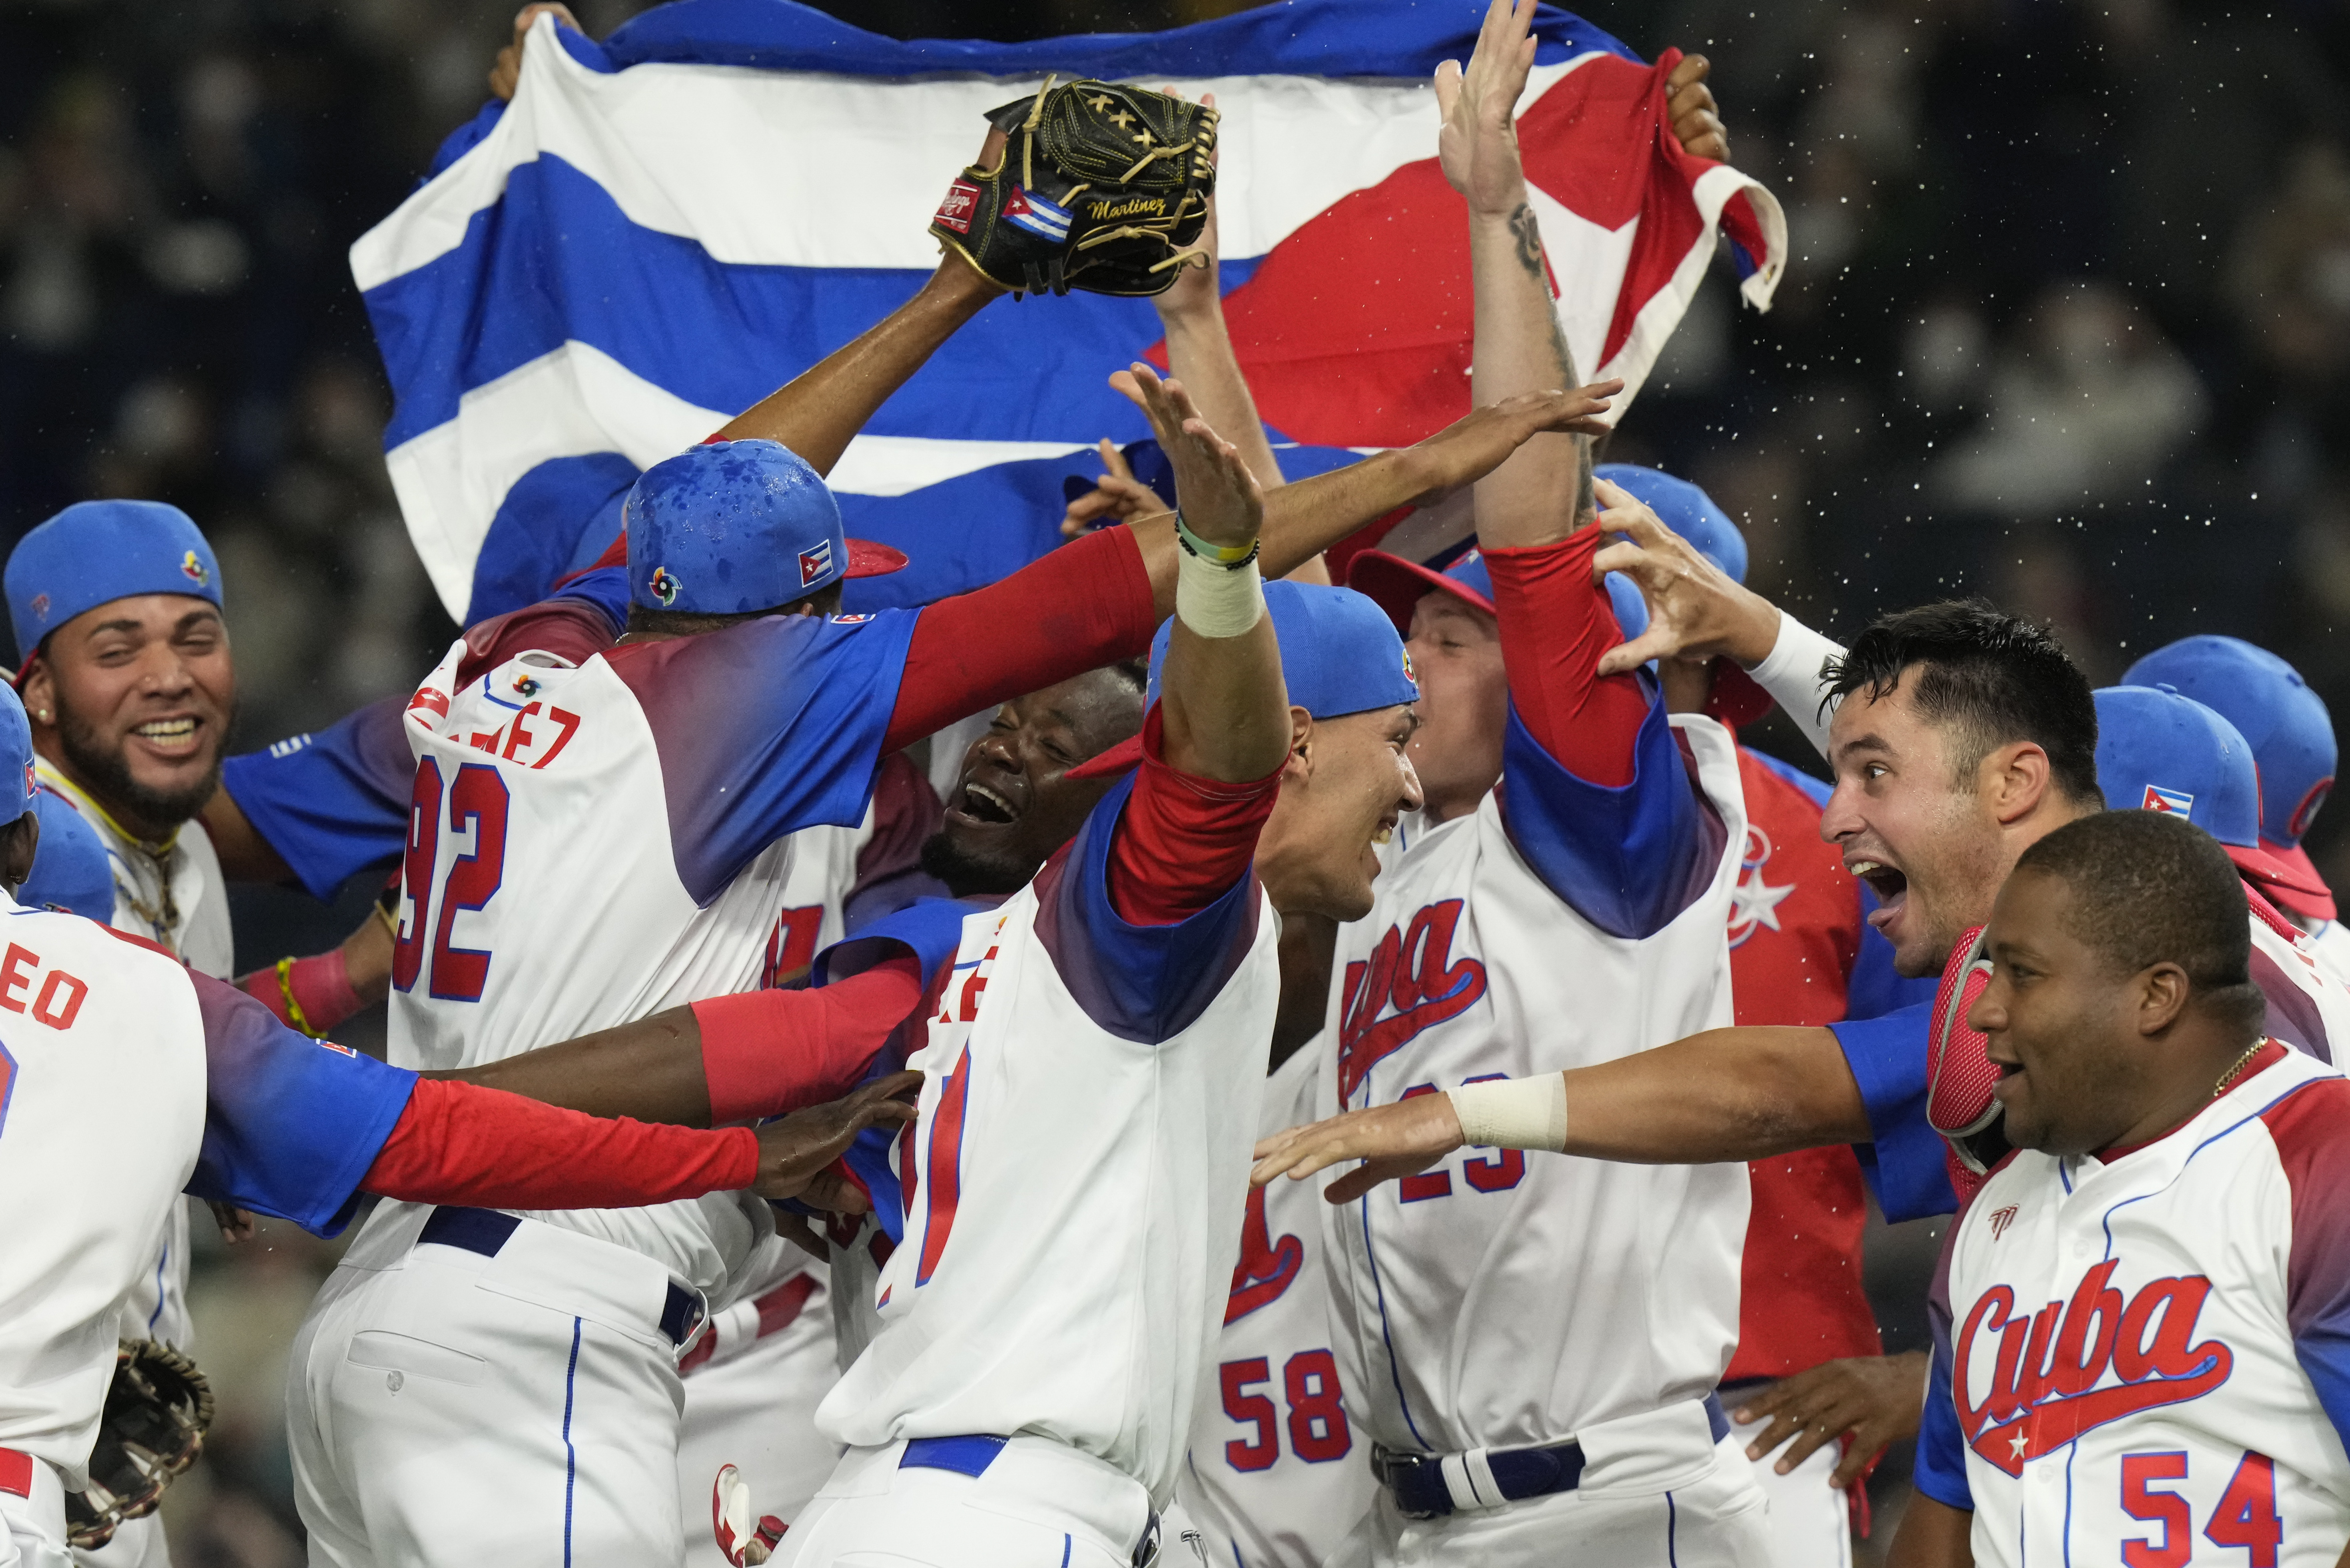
(1215, 600)
(1513, 1113)
(1231, 557)
(294, 1014)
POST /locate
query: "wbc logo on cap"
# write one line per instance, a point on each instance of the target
(2178, 803)
(41, 607)
(1408, 672)
(815, 563)
(193, 569)
(664, 587)
(31, 783)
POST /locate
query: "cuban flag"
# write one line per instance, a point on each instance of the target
(661, 229)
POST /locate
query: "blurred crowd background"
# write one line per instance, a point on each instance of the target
(2066, 324)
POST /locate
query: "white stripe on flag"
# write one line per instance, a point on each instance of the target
(803, 169)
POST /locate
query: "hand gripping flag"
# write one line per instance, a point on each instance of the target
(661, 229)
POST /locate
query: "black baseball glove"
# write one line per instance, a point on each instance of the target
(1100, 188)
(157, 1411)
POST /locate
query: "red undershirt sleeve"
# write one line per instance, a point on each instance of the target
(767, 1051)
(461, 1143)
(1555, 622)
(1082, 606)
(1182, 841)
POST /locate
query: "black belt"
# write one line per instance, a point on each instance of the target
(970, 1454)
(1421, 1491)
(484, 1231)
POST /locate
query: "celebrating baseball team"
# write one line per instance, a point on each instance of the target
(1350, 1074)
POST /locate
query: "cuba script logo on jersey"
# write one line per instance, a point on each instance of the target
(1753, 903)
(2076, 1365)
(1409, 983)
(1267, 1268)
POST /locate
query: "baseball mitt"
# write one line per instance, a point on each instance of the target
(1100, 188)
(156, 1414)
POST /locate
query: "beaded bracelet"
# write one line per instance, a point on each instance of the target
(1231, 557)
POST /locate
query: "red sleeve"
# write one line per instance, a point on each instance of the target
(1555, 623)
(767, 1051)
(572, 627)
(1080, 607)
(461, 1143)
(1182, 841)
(321, 985)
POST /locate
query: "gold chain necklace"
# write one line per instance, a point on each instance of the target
(2229, 1076)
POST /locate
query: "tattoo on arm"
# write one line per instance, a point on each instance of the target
(1530, 256)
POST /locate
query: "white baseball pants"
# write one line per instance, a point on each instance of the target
(1718, 1520)
(1038, 1503)
(750, 1403)
(447, 1409)
(1811, 1525)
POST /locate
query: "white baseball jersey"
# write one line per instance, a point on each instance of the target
(2330, 940)
(2309, 1001)
(1276, 1475)
(1501, 1300)
(125, 1079)
(593, 842)
(1072, 1191)
(2151, 1361)
(174, 896)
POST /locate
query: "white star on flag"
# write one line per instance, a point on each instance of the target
(1751, 901)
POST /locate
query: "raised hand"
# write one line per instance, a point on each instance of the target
(1117, 497)
(1478, 142)
(1221, 500)
(1696, 610)
(506, 74)
(793, 1152)
(1690, 106)
(1469, 449)
(1398, 1140)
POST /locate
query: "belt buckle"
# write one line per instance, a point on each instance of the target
(1387, 1467)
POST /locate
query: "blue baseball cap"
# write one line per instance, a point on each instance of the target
(96, 551)
(1339, 655)
(69, 869)
(18, 784)
(1398, 583)
(733, 526)
(2291, 732)
(2160, 751)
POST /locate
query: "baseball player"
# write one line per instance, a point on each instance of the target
(142, 1076)
(2168, 1236)
(1916, 694)
(1577, 912)
(1125, 996)
(2292, 737)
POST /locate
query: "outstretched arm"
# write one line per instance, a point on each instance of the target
(727, 1059)
(1724, 1095)
(1538, 495)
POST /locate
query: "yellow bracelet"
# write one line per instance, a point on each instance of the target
(294, 1012)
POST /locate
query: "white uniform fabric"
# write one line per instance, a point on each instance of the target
(2331, 941)
(1504, 1300)
(1810, 1522)
(2188, 1301)
(1082, 1300)
(2308, 1002)
(591, 844)
(752, 1388)
(176, 897)
(1276, 1477)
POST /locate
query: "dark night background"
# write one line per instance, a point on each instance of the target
(2065, 324)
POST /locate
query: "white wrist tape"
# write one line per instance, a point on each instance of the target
(1215, 600)
(1513, 1113)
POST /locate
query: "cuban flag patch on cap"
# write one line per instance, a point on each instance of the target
(1035, 214)
(2175, 802)
(816, 563)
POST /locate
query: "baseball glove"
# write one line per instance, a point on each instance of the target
(156, 1414)
(1099, 188)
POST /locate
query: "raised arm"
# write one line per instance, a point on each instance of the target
(1537, 496)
